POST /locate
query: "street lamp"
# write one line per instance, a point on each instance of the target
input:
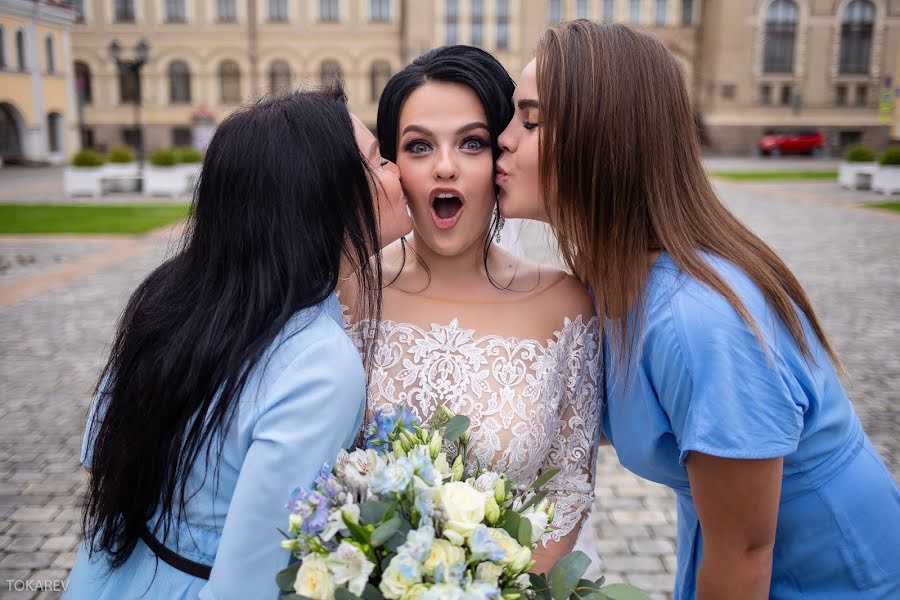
(133, 67)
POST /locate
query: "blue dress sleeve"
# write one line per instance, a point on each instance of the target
(724, 393)
(312, 410)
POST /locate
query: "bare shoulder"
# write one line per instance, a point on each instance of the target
(566, 295)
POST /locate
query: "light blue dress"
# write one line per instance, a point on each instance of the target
(302, 403)
(702, 382)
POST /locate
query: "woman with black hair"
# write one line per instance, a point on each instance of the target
(509, 343)
(231, 380)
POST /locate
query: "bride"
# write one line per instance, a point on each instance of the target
(509, 343)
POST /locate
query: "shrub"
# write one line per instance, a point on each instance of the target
(163, 158)
(891, 156)
(858, 153)
(188, 155)
(121, 154)
(87, 158)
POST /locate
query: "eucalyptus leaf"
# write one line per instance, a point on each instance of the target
(623, 591)
(511, 524)
(584, 589)
(386, 531)
(372, 593)
(286, 577)
(344, 594)
(566, 574)
(540, 587)
(524, 533)
(373, 512)
(456, 427)
(544, 478)
(399, 537)
(359, 533)
(535, 500)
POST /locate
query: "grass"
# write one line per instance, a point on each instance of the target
(894, 206)
(776, 175)
(47, 218)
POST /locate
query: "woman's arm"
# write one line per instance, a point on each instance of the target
(737, 503)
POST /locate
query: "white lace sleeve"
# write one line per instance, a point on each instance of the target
(574, 446)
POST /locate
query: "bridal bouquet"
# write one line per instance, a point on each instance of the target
(409, 518)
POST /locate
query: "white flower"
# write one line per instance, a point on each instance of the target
(463, 507)
(516, 556)
(523, 581)
(443, 554)
(402, 573)
(356, 468)
(393, 477)
(485, 482)
(488, 572)
(479, 590)
(314, 579)
(336, 520)
(350, 566)
(418, 543)
(442, 466)
(539, 521)
(415, 592)
(444, 591)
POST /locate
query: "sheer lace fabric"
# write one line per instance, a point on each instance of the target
(532, 404)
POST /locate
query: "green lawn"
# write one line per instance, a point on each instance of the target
(894, 206)
(776, 175)
(45, 218)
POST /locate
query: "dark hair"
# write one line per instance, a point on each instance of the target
(283, 196)
(620, 157)
(472, 67)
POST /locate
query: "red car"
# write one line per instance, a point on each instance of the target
(798, 141)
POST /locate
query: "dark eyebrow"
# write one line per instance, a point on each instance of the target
(526, 103)
(463, 129)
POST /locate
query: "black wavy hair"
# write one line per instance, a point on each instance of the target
(283, 195)
(472, 67)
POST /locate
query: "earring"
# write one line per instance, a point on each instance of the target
(500, 223)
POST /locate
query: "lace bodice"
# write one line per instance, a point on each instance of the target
(532, 406)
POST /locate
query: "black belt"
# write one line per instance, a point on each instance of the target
(185, 565)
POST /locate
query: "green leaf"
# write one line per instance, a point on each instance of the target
(566, 574)
(373, 512)
(344, 594)
(293, 597)
(386, 531)
(524, 533)
(399, 537)
(584, 589)
(544, 478)
(372, 593)
(286, 577)
(511, 524)
(456, 427)
(623, 591)
(359, 533)
(540, 587)
(535, 500)
(601, 580)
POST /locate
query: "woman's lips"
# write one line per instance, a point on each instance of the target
(446, 207)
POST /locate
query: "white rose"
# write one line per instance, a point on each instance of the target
(402, 573)
(443, 553)
(463, 507)
(489, 572)
(350, 566)
(415, 592)
(539, 521)
(314, 580)
(516, 556)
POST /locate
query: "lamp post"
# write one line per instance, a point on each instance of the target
(133, 67)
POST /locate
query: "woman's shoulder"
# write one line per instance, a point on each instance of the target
(561, 294)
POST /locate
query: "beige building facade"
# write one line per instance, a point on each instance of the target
(751, 65)
(37, 105)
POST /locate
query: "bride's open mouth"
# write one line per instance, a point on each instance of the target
(446, 207)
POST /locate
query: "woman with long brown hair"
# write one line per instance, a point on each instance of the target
(721, 382)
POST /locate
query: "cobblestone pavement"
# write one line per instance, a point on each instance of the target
(52, 346)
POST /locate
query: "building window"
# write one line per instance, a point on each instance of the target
(380, 10)
(555, 15)
(862, 95)
(230, 81)
(840, 95)
(687, 13)
(280, 76)
(124, 10)
(728, 91)
(330, 73)
(857, 22)
(87, 137)
(477, 7)
(765, 95)
(20, 51)
(132, 137)
(175, 12)
(83, 82)
(781, 31)
(226, 11)
(182, 138)
(2, 48)
(129, 86)
(502, 24)
(609, 10)
(662, 10)
(451, 21)
(179, 82)
(48, 50)
(634, 11)
(581, 9)
(78, 7)
(278, 10)
(329, 10)
(54, 125)
(380, 75)
(787, 93)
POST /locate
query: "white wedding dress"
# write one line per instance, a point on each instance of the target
(532, 397)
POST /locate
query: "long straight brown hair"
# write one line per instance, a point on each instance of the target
(622, 177)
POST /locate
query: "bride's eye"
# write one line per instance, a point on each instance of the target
(474, 144)
(417, 147)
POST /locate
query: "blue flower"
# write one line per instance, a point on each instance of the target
(379, 430)
(405, 419)
(418, 543)
(393, 477)
(484, 546)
